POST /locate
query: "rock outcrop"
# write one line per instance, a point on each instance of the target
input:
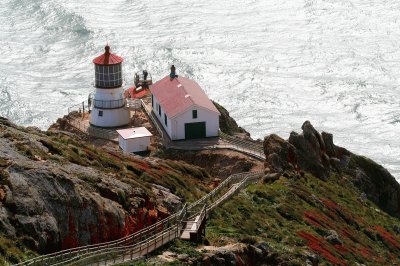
(221, 163)
(316, 153)
(239, 254)
(58, 192)
(227, 124)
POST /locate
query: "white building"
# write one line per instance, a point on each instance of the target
(109, 106)
(134, 139)
(183, 108)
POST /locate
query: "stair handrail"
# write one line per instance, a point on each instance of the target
(253, 147)
(88, 248)
(150, 115)
(181, 215)
(107, 245)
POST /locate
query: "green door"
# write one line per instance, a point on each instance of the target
(195, 130)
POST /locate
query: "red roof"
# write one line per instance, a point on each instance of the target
(108, 58)
(177, 95)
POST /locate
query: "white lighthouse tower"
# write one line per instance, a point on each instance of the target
(109, 106)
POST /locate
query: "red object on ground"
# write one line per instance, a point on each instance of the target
(322, 247)
(108, 58)
(387, 236)
(131, 93)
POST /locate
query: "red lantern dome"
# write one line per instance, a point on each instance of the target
(108, 58)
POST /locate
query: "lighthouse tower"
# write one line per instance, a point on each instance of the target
(109, 100)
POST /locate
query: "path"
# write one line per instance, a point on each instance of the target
(246, 146)
(138, 244)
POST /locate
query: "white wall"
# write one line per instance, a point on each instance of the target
(203, 115)
(176, 127)
(109, 94)
(168, 127)
(122, 142)
(111, 117)
(134, 145)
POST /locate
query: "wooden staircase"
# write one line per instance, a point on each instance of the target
(188, 223)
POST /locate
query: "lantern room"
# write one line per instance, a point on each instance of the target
(108, 70)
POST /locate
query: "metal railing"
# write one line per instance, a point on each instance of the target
(153, 120)
(134, 104)
(249, 147)
(67, 256)
(92, 131)
(143, 80)
(80, 108)
(146, 240)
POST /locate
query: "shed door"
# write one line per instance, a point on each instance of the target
(195, 130)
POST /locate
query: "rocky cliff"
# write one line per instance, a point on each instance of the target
(318, 203)
(57, 191)
(316, 153)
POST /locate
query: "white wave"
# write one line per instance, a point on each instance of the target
(273, 64)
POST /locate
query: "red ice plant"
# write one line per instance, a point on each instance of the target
(320, 246)
(387, 237)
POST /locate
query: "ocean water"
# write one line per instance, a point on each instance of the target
(273, 64)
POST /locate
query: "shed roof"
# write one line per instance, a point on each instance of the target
(108, 58)
(177, 95)
(133, 133)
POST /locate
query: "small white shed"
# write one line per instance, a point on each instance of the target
(134, 139)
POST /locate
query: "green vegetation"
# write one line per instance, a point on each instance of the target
(295, 215)
(12, 251)
(56, 149)
(65, 148)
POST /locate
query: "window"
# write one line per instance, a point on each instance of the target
(165, 120)
(194, 114)
(159, 110)
(108, 76)
(100, 113)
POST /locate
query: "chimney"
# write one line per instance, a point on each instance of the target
(172, 75)
(107, 54)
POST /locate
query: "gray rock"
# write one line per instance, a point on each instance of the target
(182, 257)
(271, 177)
(312, 259)
(335, 163)
(333, 237)
(362, 197)
(264, 247)
(396, 229)
(164, 197)
(275, 162)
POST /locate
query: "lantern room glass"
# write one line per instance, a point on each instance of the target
(108, 76)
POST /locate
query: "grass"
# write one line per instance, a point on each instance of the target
(13, 251)
(288, 212)
(59, 149)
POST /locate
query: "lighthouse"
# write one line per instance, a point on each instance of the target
(109, 106)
